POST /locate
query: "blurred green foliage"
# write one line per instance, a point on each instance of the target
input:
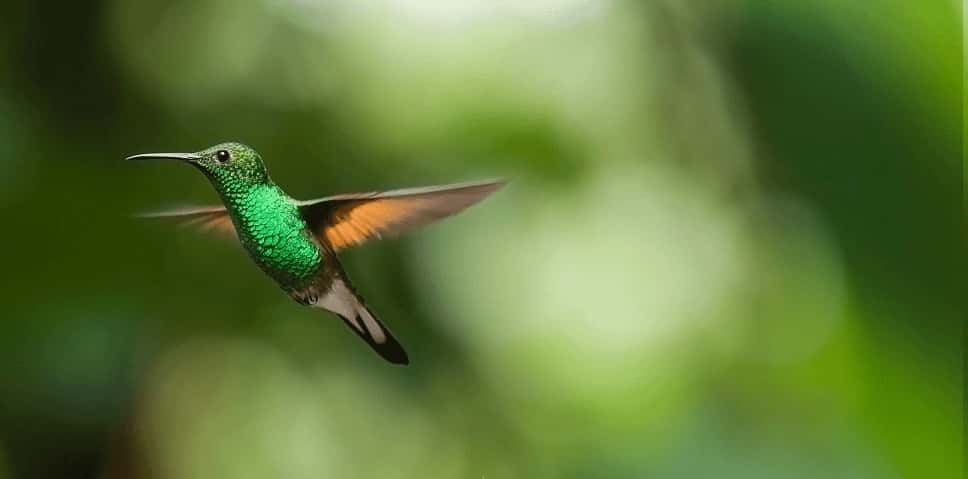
(731, 246)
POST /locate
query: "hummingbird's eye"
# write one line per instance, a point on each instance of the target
(222, 156)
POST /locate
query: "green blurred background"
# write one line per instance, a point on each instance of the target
(731, 248)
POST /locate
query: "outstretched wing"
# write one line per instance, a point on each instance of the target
(209, 218)
(348, 220)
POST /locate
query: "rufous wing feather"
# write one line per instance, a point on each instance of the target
(348, 220)
(209, 218)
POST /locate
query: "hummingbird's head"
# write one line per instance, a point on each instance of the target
(224, 164)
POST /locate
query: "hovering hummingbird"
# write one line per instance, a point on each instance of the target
(296, 242)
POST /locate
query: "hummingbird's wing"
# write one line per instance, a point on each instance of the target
(349, 220)
(208, 218)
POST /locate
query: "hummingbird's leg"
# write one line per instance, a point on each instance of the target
(306, 297)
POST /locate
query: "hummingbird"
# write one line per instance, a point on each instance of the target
(296, 243)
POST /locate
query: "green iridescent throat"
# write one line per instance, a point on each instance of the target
(270, 228)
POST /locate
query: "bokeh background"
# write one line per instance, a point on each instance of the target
(731, 246)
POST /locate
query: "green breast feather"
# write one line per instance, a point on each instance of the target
(275, 235)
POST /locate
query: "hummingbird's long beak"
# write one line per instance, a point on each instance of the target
(164, 156)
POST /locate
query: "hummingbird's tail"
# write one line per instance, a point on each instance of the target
(377, 335)
(342, 300)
